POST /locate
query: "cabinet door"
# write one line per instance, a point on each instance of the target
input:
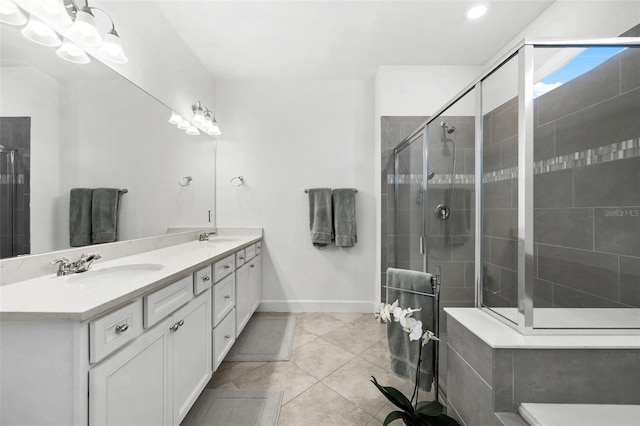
(192, 358)
(243, 294)
(254, 283)
(130, 388)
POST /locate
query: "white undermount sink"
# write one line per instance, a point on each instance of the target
(113, 274)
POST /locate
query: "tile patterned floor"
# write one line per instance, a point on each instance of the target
(326, 381)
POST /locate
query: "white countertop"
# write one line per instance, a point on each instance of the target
(51, 297)
(500, 336)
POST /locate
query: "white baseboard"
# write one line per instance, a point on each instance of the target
(355, 306)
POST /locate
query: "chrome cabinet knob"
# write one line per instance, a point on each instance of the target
(122, 328)
(241, 257)
(206, 278)
(228, 336)
(180, 323)
(253, 265)
(174, 327)
(227, 297)
(227, 266)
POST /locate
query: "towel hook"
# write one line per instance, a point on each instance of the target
(239, 181)
(185, 181)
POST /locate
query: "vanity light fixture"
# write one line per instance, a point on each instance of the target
(39, 32)
(198, 113)
(476, 11)
(84, 28)
(54, 10)
(72, 53)
(184, 125)
(11, 14)
(175, 118)
(111, 48)
(215, 129)
(193, 130)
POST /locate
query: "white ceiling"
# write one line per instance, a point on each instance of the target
(342, 39)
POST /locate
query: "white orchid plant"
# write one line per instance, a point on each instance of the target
(412, 412)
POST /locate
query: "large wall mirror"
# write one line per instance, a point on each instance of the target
(65, 126)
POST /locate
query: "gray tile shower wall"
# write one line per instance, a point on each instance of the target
(586, 191)
(15, 193)
(587, 211)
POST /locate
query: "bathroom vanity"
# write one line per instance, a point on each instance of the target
(132, 341)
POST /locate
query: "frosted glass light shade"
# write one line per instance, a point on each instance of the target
(11, 14)
(215, 130)
(111, 49)
(54, 11)
(193, 131)
(175, 118)
(184, 125)
(198, 116)
(72, 53)
(84, 28)
(39, 32)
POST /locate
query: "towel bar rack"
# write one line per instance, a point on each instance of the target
(409, 291)
(306, 190)
(123, 190)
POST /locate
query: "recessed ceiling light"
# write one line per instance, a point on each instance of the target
(476, 11)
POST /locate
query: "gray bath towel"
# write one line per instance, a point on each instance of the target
(80, 217)
(320, 220)
(344, 217)
(404, 353)
(104, 215)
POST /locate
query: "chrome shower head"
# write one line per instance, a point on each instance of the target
(446, 128)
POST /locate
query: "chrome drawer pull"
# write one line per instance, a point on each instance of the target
(122, 328)
(253, 265)
(241, 257)
(206, 278)
(181, 323)
(227, 297)
(174, 327)
(227, 266)
(228, 336)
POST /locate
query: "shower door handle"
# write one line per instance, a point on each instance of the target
(422, 248)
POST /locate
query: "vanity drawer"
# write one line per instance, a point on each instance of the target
(114, 330)
(202, 280)
(250, 251)
(163, 302)
(258, 247)
(224, 298)
(224, 267)
(224, 336)
(240, 257)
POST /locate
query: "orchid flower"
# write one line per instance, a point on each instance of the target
(428, 335)
(412, 326)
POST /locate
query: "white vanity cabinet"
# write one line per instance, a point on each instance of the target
(159, 376)
(248, 278)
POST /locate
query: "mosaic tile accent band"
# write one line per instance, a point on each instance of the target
(604, 154)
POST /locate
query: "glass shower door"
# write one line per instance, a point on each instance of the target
(7, 202)
(408, 250)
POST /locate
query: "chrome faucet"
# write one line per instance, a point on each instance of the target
(85, 261)
(205, 235)
(65, 268)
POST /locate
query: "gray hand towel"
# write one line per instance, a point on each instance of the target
(104, 215)
(80, 217)
(404, 353)
(344, 217)
(320, 221)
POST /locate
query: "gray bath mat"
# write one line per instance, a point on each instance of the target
(237, 407)
(265, 338)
